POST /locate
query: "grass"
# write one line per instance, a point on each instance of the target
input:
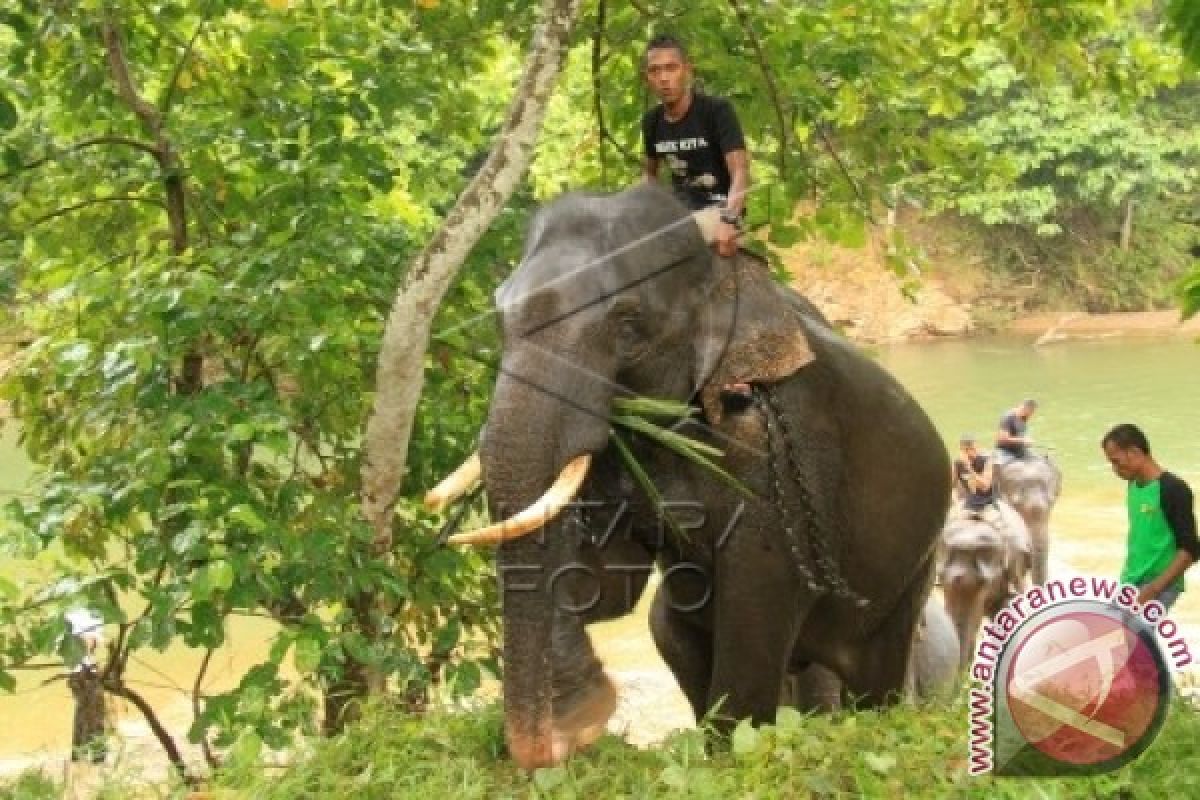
(900, 752)
(904, 751)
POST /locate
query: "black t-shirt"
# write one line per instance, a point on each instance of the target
(1015, 425)
(1175, 497)
(694, 148)
(976, 500)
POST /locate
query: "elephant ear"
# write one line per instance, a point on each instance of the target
(749, 333)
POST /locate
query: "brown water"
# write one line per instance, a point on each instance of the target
(1084, 388)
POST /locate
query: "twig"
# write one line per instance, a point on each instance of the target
(209, 756)
(82, 144)
(119, 198)
(164, 104)
(164, 737)
(769, 79)
(597, 106)
(833, 153)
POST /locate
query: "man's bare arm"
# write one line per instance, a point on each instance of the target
(1183, 559)
(738, 164)
(650, 170)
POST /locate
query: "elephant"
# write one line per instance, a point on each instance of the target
(984, 561)
(820, 552)
(1032, 486)
(932, 673)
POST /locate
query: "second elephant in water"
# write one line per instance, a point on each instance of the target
(1031, 485)
(984, 561)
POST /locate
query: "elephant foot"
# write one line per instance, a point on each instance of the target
(584, 720)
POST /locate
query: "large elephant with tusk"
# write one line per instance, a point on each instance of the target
(824, 552)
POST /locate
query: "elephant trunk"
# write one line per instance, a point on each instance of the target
(531, 435)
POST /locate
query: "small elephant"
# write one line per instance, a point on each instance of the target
(1031, 485)
(984, 562)
(933, 667)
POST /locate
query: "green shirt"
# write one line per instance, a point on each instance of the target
(1152, 545)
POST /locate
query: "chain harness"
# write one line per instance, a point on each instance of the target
(816, 562)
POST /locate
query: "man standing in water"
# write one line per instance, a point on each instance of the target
(1162, 540)
(698, 137)
(1011, 440)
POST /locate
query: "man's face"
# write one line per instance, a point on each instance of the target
(969, 451)
(668, 75)
(1125, 462)
(1026, 412)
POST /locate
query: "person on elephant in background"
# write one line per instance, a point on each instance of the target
(698, 137)
(1012, 441)
(1162, 542)
(973, 479)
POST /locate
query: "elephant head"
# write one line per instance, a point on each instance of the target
(984, 562)
(1032, 485)
(615, 295)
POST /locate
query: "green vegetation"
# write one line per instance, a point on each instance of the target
(206, 207)
(902, 752)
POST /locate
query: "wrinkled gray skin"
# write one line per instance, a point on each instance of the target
(933, 671)
(620, 294)
(982, 564)
(1031, 485)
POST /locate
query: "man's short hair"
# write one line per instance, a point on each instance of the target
(966, 439)
(665, 41)
(1029, 403)
(1125, 436)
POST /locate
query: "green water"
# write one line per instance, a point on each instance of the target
(1084, 388)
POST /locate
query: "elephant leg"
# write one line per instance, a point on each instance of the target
(880, 674)
(686, 649)
(754, 638)
(814, 688)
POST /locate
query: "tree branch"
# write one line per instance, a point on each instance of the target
(209, 756)
(120, 689)
(128, 90)
(82, 144)
(769, 79)
(400, 375)
(597, 106)
(164, 103)
(833, 153)
(95, 201)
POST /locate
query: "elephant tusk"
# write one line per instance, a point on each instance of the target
(547, 507)
(454, 485)
(707, 220)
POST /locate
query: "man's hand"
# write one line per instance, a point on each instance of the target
(726, 240)
(1148, 593)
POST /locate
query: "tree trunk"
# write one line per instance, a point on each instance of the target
(1127, 224)
(400, 374)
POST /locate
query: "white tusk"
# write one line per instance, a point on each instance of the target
(707, 220)
(454, 485)
(547, 507)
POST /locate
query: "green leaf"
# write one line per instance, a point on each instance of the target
(880, 762)
(8, 113)
(220, 575)
(746, 739)
(307, 654)
(549, 778)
